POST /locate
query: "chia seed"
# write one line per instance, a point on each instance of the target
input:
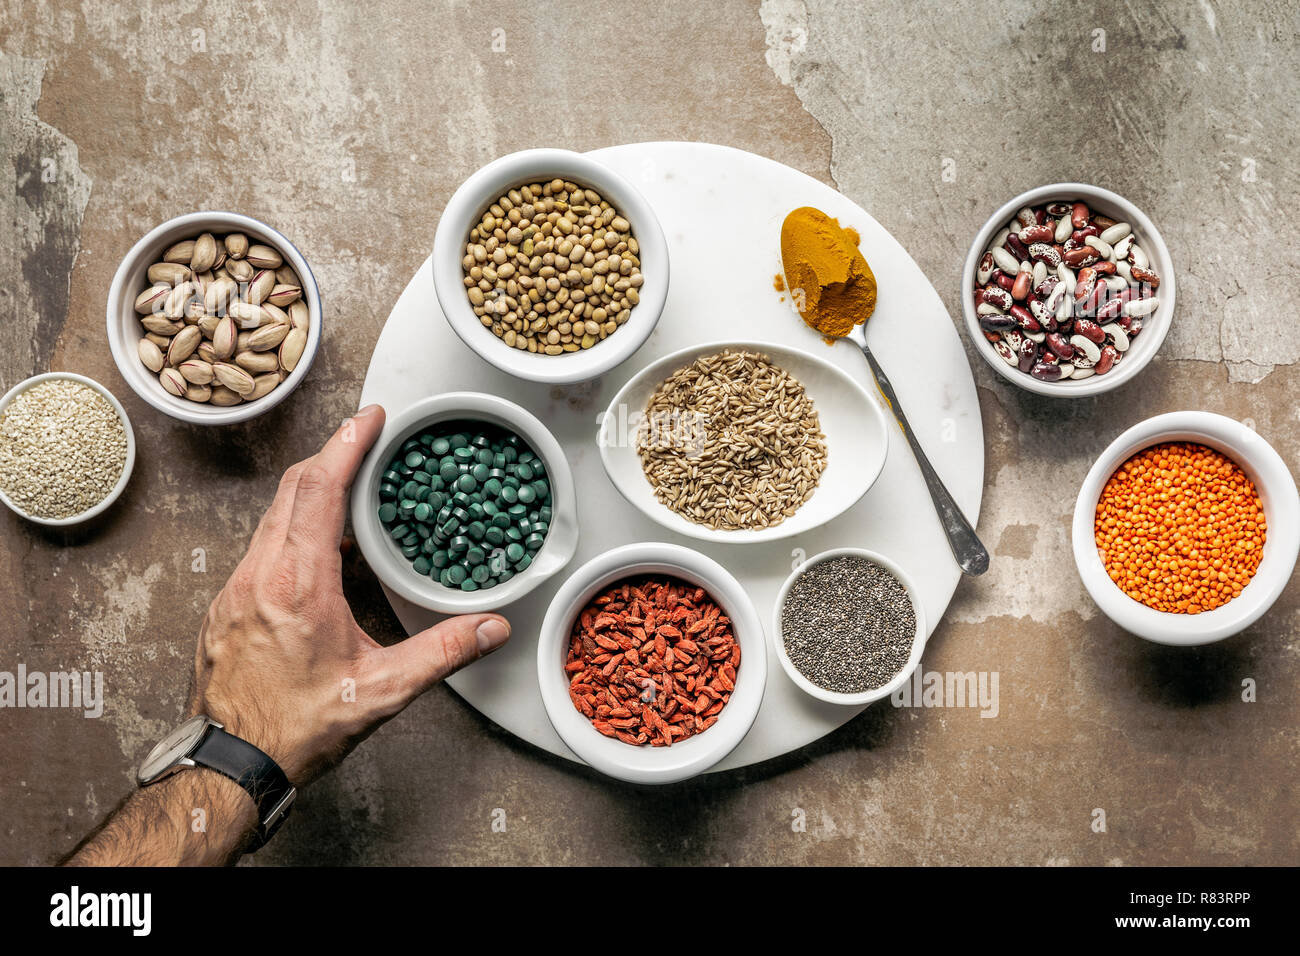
(848, 625)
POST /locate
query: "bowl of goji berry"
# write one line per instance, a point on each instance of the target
(652, 663)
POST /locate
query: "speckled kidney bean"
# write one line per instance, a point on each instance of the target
(1109, 355)
(1005, 353)
(1020, 288)
(1025, 318)
(1079, 257)
(1061, 291)
(1017, 248)
(1059, 345)
(997, 322)
(1046, 254)
(1089, 330)
(1026, 355)
(1031, 234)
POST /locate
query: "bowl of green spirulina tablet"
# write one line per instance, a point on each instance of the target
(466, 503)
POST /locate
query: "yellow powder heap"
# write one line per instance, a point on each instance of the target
(831, 283)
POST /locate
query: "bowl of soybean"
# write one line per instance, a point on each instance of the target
(465, 504)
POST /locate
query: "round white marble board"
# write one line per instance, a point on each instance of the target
(701, 192)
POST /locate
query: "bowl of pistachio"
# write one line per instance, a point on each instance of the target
(214, 318)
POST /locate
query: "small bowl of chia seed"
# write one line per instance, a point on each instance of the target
(849, 626)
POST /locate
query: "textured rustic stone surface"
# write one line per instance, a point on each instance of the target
(348, 125)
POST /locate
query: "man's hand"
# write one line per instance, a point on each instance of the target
(282, 662)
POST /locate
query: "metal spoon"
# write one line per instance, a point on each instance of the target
(972, 557)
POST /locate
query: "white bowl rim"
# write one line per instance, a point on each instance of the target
(661, 513)
(1276, 488)
(1154, 329)
(395, 571)
(128, 465)
(919, 641)
(124, 353)
(465, 207)
(646, 764)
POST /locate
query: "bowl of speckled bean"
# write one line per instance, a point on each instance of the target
(466, 503)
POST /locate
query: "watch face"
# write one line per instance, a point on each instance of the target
(179, 743)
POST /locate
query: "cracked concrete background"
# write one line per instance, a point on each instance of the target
(348, 125)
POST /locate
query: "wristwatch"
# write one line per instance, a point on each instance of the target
(202, 742)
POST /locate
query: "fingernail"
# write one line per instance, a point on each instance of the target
(368, 410)
(492, 633)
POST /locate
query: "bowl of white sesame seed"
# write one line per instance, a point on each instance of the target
(67, 449)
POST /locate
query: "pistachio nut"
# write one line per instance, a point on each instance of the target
(150, 355)
(223, 396)
(207, 353)
(274, 314)
(263, 385)
(240, 270)
(178, 300)
(291, 349)
(208, 325)
(284, 294)
(205, 253)
(196, 371)
(217, 296)
(236, 245)
(247, 314)
(223, 340)
(173, 382)
(299, 316)
(162, 325)
(241, 340)
(233, 377)
(162, 341)
(182, 252)
(263, 257)
(268, 336)
(286, 276)
(168, 272)
(261, 286)
(198, 393)
(256, 363)
(183, 345)
(152, 299)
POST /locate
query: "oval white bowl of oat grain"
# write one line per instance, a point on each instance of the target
(853, 423)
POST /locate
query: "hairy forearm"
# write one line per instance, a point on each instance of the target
(196, 817)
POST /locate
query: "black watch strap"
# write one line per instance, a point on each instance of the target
(253, 770)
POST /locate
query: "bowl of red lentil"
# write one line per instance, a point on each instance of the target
(1187, 528)
(652, 663)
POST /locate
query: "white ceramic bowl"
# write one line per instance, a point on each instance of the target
(866, 697)
(383, 554)
(127, 467)
(857, 441)
(125, 331)
(647, 764)
(465, 209)
(1154, 327)
(1277, 492)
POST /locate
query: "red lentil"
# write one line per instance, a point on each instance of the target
(1180, 528)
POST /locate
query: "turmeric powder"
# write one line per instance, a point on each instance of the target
(832, 286)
